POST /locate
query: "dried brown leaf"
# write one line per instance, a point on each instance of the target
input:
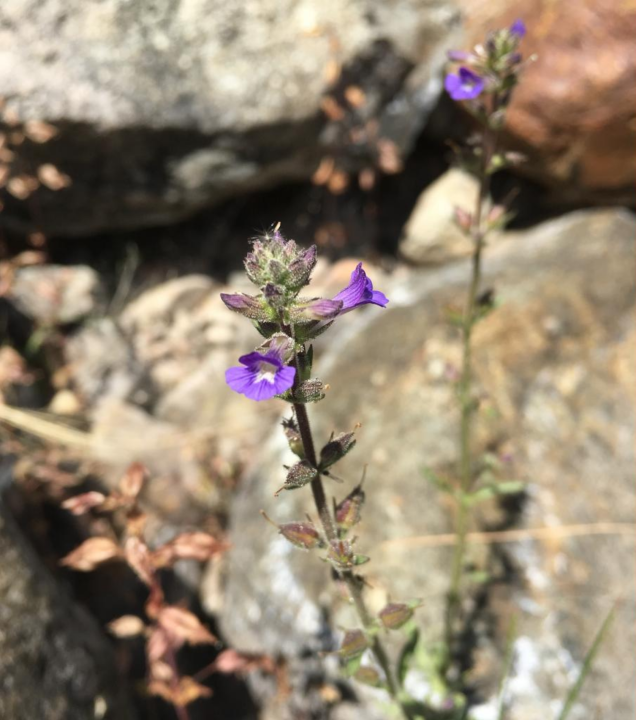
(188, 546)
(155, 601)
(332, 71)
(185, 691)
(139, 558)
(157, 645)
(133, 480)
(331, 108)
(338, 182)
(184, 625)
(81, 504)
(22, 186)
(355, 96)
(38, 131)
(323, 173)
(50, 176)
(92, 553)
(232, 661)
(127, 626)
(389, 157)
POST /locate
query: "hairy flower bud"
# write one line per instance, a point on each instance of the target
(248, 306)
(336, 449)
(274, 260)
(314, 309)
(348, 512)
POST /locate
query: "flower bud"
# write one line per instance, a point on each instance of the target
(341, 554)
(302, 535)
(248, 306)
(279, 262)
(274, 295)
(463, 219)
(354, 643)
(314, 309)
(394, 615)
(336, 449)
(348, 511)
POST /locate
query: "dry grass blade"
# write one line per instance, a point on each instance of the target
(502, 536)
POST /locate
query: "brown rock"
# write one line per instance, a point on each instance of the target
(574, 113)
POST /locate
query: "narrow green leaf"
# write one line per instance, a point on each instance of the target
(406, 654)
(507, 666)
(587, 666)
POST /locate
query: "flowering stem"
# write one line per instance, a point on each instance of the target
(353, 585)
(467, 403)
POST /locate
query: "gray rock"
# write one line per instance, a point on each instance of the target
(165, 108)
(54, 662)
(555, 376)
(56, 294)
(431, 236)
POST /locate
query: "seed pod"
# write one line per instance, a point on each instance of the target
(348, 511)
(299, 475)
(354, 643)
(336, 449)
(302, 535)
(394, 615)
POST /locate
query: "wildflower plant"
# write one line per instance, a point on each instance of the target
(483, 83)
(281, 366)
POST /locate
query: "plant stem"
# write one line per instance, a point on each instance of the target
(466, 401)
(354, 586)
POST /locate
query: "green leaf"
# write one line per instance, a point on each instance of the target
(407, 653)
(507, 666)
(509, 487)
(575, 690)
(352, 665)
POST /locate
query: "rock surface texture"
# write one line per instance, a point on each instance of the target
(54, 662)
(167, 107)
(555, 368)
(574, 113)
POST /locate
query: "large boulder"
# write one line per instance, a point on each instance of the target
(164, 108)
(574, 113)
(555, 375)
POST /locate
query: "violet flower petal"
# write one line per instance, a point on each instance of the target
(360, 291)
(466, 85)
(263, 376)
(518, 28)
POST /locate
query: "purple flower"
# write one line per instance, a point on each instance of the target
(458, 55)
(360, 291)
(518, 28)
(466, 85)
(263, 376)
